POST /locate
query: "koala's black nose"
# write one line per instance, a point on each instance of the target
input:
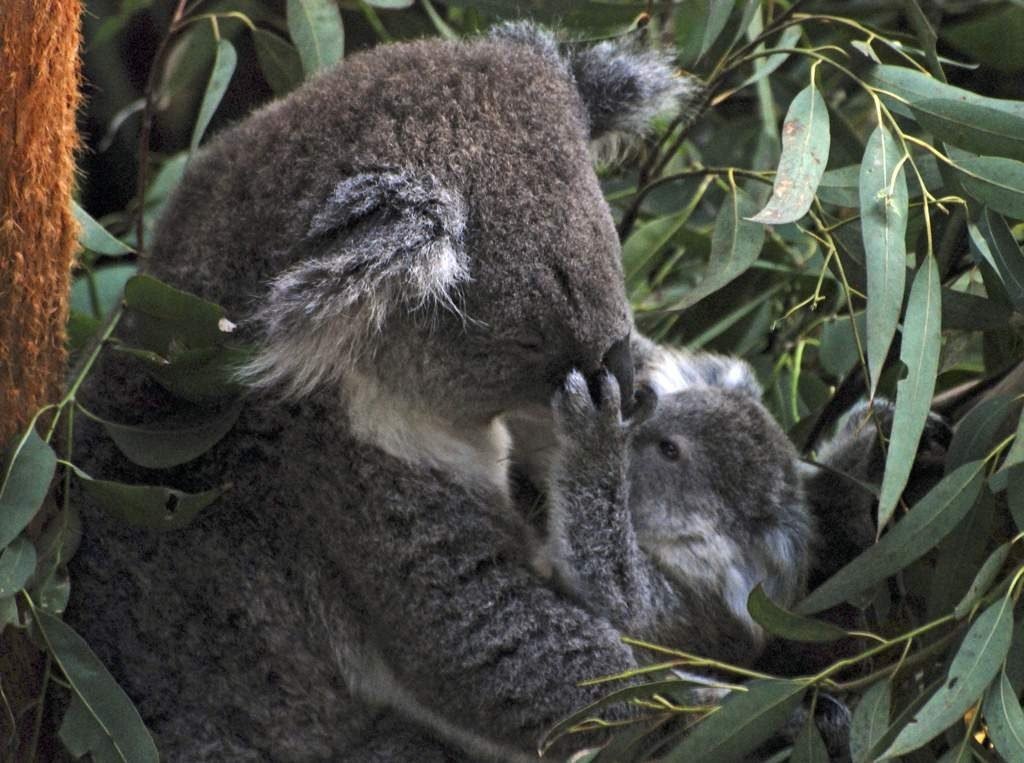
(619, 362)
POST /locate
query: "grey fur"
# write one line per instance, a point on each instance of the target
(368, 555)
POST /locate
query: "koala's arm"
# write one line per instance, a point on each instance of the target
(592, 546)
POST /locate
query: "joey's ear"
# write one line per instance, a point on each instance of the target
(383, 241)
(669, 371)
(622, 86)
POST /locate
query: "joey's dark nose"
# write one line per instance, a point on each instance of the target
(619, 362)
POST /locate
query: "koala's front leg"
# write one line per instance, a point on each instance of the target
(591, 543)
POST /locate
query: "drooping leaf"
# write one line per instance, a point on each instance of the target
(114, 717)
(97, 292)
(883, 215)
(841, 186)
(152, 506)
(976, 432)
(1004, 719)
(640, 249)
(788, 625)
(919, 352)
(28, 469)
(205, 375)
(966, 312)
(972, 127)
(95, 237)
(17, 563)
(916, 87)
(1015, 494)
(870, 720)
(279, 61)
(9, 613)
(744, 720)
(805, 145)
(991, 238)
(996, 182)
(976, 663)
(705, 22)
(161, 447)
(809, 747)
(735, 245)
(1015, 455)
(983, 580)
(167, 315)
(391, 5)
(224, 62)
(316, 29)
(927, 522)
(52, 592)
(766, 66)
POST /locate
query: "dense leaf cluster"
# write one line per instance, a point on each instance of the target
(837, 212)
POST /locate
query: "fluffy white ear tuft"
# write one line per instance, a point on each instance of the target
(383, 241)
(669, 371)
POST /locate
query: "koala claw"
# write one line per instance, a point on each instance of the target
(581, 414)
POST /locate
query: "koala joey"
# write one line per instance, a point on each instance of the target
(664, 522)
(415, 242)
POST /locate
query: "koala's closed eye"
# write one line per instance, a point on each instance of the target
(669, 450)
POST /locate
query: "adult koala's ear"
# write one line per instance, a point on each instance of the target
(384, 240)
(622, 86)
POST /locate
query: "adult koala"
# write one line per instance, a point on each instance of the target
(417, 243)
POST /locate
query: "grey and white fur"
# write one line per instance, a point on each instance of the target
(416, 243)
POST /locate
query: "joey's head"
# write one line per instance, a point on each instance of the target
(714, 488)
(461, 255)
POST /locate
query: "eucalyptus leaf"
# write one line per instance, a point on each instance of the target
(927, 522)
(161, 447)
(9, 613)
(167, 315)
(705, 20)
(744, 721)
(94, 237)
(975, 434)
(809, 747)
(28, 469)
(154, 507)
(977, 661)
(991, 238)
(17, 563)
(316, 29)
(919, 352)
(1015, 455)
(972, 126)
(996, 182)
(789, 38)
(52, 592)
(805, 144)
(224, 61)
(735, 245)
(841, 186)
(1015, 494)
(967, 312)
(983, 580)
(788, 625)
(101, 698)
(883, 216)
(870, 720)
(917, 87)
(1004, 719)
(279, 61)
(641, 248)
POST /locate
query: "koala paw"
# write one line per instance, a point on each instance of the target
(581, 416)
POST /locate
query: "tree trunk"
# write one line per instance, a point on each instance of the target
(39, 95)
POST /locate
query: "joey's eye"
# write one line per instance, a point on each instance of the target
(669, 450)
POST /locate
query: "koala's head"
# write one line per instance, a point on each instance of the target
(454, 245)
(714, 487)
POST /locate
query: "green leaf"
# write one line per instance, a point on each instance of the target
(641, 248)
(745, 719)
(9, 613)
(735, 245)
(805, 144)
(982, 581)
(917, 87)
(976, 432)
(966, 312)
(109, 284)
(102, 699)
(203, 376)
(390, 5)
(922, 341)
(161, 447)
(701, 22)
(1016, 454)
(928, 522)
(17, 563)
(992, 239)
(870, 720)
(780, 622)
(167, 316)
(151, 506)
(1005, 719)
(95, 237)
(1015, 494)
(809, 747)
(315, 28)
(841, 186)
(884, 213)
(279, 61)
(972, 126)
(51, 594)
(28, 470)
(224, 62)
(765, 66)
(996, 182)
(639, 691)
(976, 663)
